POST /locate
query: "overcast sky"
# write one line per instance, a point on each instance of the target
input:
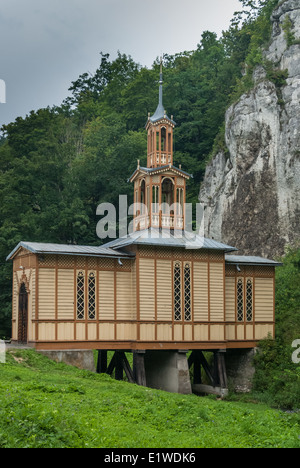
(47, 44)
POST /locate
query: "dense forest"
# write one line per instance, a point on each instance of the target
(58, 164)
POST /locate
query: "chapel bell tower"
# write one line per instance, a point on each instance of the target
(160, 133)
(159, 188)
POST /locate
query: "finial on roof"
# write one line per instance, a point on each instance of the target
(160, 112)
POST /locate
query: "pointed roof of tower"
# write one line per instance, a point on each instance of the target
(160, 112)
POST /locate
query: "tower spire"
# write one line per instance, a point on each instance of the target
(160, 111)
(160, 100)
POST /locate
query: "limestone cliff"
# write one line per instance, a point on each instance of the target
(252, 191)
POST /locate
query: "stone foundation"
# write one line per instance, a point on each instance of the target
(168, 370)
(240, 369)
(83, 359)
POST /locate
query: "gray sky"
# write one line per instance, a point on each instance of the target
(47, 44)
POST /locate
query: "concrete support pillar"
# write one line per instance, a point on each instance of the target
(168, 370)
(240, 369)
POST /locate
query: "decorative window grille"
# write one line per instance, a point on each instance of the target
(244, 298)
(249, 300)
(92, 296)
(240, 299)
(177, 291)
(80, 296)
(182, 292)
(187, 292)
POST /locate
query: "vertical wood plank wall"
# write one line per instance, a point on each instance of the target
(263, 322)
(135, 301)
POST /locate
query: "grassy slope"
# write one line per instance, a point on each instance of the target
(44, 404)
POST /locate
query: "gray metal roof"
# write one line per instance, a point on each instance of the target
(166, 238)
(67, 249)
(250, 260)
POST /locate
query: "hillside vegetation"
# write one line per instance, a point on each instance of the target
(49, 405)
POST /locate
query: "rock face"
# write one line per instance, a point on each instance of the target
(252, 192)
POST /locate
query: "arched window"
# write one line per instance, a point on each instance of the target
(143, 196)
(177, 291)
(80, 296)
(23, 314)
(92, 296)
(240, 299)
(155, 198)
(179, 205)
(249, 300)
(167, 195)
(187, 293)
(169, 143)
(163, 139)
(244, 299)
(182, 292)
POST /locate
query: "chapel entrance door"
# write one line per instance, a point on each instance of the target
(23, 315)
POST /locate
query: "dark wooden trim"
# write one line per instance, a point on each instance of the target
(56, 297)
(144, 345)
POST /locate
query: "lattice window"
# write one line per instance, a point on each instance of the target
(80, 296)
(249, 300)
(92, 296)
(187, 292)
(240, 299)
(177, 291)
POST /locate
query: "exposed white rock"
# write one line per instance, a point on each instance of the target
(252, 193)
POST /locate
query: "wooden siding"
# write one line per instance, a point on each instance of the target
(200, 288)
(65, 294)
(264, 300)
(134, 302)
(47, 294)
(124, 296)
(147, 289)
(164, 289)
(106, 295)
(230, 299)
(216, 290)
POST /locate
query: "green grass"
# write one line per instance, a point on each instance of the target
(45, 404)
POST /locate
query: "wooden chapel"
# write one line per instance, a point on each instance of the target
(156, 289)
